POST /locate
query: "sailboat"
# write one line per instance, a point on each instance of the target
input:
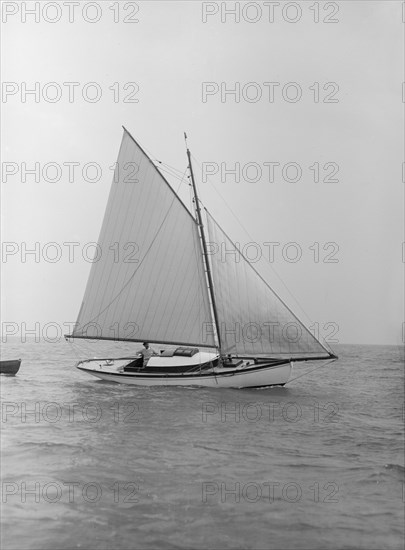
(219, 321)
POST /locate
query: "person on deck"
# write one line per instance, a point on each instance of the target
(147, 353)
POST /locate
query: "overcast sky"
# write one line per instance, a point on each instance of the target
(345, 108)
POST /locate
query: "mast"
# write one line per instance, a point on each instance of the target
(204, 245)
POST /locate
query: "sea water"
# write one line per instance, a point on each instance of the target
(98, 465)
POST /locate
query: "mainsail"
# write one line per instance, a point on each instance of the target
(253, 320)
(148, 282)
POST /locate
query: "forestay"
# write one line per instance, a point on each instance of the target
(253, 320)
(149, 282)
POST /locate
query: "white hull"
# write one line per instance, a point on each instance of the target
(247, 375)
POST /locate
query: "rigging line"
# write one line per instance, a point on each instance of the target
(141, 262)
(170, 170)
(173, 175)
(75, 351)
(312, 370)
(165, 167)
(78, 350)
(154, 159)
(309, 320)
(169, 166)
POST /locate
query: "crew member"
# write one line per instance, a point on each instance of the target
(147, 353)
